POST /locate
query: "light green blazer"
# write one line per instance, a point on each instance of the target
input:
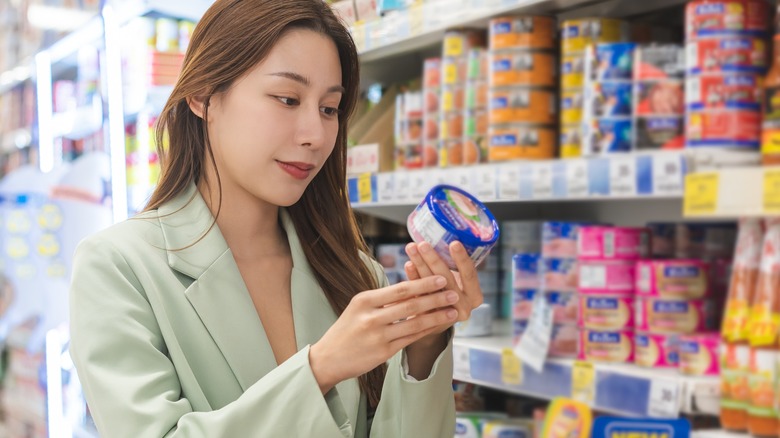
(167, 343)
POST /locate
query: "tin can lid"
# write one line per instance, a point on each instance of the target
(463, 215)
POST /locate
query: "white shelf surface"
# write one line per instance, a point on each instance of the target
(621, 389)
(79, 122)
(734, 192)
(718, 434)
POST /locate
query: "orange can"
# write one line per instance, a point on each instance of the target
(457, 42)
(451, 126)
(452, 98)
(475, 149)
(452, 153)
(521, 141)
(522, 67)
(534, 32)
(522, 105)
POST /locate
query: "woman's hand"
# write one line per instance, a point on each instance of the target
(377, 324)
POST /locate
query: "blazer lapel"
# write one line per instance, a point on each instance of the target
(218, 293)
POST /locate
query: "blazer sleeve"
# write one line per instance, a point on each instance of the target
(408, 407)
(133, 389)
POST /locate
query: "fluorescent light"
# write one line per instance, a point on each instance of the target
(57, 18)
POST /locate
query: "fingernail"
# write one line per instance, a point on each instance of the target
(441, 281)
(452, 314)
(452, 297)
(411, 249)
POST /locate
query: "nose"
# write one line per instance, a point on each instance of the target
(310, 130)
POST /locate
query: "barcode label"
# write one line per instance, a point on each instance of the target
(644, 279)
(693, 90)
(609, 244)
(593, 277)
(692, 56)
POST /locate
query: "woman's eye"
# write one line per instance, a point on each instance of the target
(289, 101)
(330, 111)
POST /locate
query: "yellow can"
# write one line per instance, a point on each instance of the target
(571, 141)
(572, 72)
(571, 107)
(577, 34)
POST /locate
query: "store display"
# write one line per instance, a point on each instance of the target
(656, 315)
(707, 18)
(699, 354)
(606, 313)
(770, 136)
(598, 242)
(607, 346)
(535, 32)
(657, 350)
(680, 279)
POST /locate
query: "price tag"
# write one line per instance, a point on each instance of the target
(583, 382)
(402, 188)
(511, 368)
(701, 193)
(667, 175)
(418, 184)
(486, 183)
(365, 195)
(437, 177)
(542, 181)
(577, 178)
(384, 186)
(462, 364)
(463, 179)
(772, 191)
(664, 399)
(622, 176)
(509, 182)
(535, 342)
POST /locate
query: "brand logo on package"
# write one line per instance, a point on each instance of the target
(502, 65)
(502, 27)
(670, 123)
(681, 271)
(604, 338)
(572, 31)
(602, 303)
(739, 81)
(670, 307)
(642, 340)
(499, 103)
(736, 44)
(710, 9)
(689, 347)
(504, 140)
(460, 429)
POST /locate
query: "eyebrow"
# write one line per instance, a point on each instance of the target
(305, 81)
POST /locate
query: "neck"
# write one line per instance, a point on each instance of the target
(250, 226)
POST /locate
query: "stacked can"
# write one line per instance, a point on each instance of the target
(607, 263)
(522, 88)
(408, 129)
(659, 97)
(475, 114)
(607, 124)
(517, 237)
(457, 45)
(725, 60)
(576, 36)
(431, 107)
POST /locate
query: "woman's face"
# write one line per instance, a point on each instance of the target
(275, 127)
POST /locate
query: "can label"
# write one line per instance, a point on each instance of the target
(529, 32)
(732, 55)
(521, 67)
(607, 135)
(608, 99)
(572, 72)
(521, 105)
(726, 17)
(726, 128)
(659, 98)
(738, 91)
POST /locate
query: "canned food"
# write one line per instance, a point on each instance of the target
(452, 152)
(572, 71)
(430, 126)
(659, 133)
(577, 34)
(413, 155)
(718, 91)
(610, 61)
(604, 136)
(509, 142)
(476, 94)
(680, 279)
(727, 54)
(657, 350)
(533, 32)
(608, 99)
(699, 354)
(571, 141)
(656, 62)
(459, 41)
(607, 312)
(477, 64)
(451, 126)
(475, 149)
(453, 71)
(432, 73)
(572, 103)
(659, 98)
(431, 153)
(705, 18)
(452, 98)
(475, 123)
(522, 67)
(607, 346)
(522, 105)
(723, 128)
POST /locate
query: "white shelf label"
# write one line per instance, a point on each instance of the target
(460, 356)
(577, 179)
(509, 182)
(463, 179)
(486, 177)
(542, 181)
(418, 185)
(535, 342)
(668, 175)
(664, 399)
(622, 176)
(437, 177)
(402, 187)
(384, 184)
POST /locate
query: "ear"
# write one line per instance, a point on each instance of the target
(197, 105)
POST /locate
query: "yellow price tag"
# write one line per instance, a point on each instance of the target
(772, 191)
(583, 382)
(511, 368)
(364, 188)
(701, 193)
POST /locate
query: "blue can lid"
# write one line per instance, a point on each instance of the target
(462, 215)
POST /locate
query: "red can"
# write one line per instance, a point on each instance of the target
(719, 91)
(705, 18)
(723, 128)
(727, 54)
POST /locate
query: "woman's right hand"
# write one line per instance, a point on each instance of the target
(377, 324)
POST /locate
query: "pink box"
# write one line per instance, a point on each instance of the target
(601, 312)
(612, 277)
(564, 305)
(600, 346)
(559, 274)
(657, 350)
(658, 315)
(699, 354)
(613, 243)
(680, 279)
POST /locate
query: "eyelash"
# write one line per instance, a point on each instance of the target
(328, 111)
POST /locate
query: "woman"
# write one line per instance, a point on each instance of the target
(240, 302)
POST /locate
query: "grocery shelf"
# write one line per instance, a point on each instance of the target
(16, 76)
(79, 122)
(722, 193)
(718, 434)
(620, 389)
(183, 9)
(651, 183)
(16, 139)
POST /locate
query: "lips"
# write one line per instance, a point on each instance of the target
(296, 169)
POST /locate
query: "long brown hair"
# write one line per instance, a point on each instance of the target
(231, 38)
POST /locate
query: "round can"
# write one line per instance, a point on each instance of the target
(475, 149)
(432, 101)
(522, 105)
(451, 126)
(572, 102)
(659, 132)
(453, 71)
(522, 67)
(447, 214)
(432, 73)
(705, 18)
(603, 312)
(608, 99)
(431, 153)
(452, 152)
(699, 354)
(657, 350)
(673, 316)
(726, 55)
(477, 64)
(607, 346)
(659, 98)
(431, 126)
(518, 141)
(571, 141)
(578, 34)
(475, 123)
(476, 94)
(608, 135)
(572, 71)
(680, 279)
(610, 61)
(723, 91)
(535, 32)
(608, 277)
(458, 42)
(600, 242)
(723, 128)
(656, 62)
(452, 98)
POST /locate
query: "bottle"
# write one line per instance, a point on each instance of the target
(770, 132)
(735, 350)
